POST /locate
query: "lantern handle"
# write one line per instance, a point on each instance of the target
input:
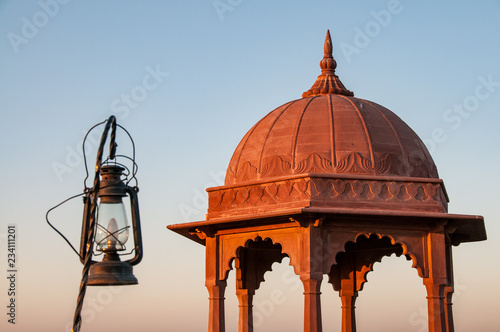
(112, 143)
(88, 242)
(84, 245)
(90, 199)
(110, 122)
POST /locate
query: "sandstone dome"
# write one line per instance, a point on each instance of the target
(329, 131)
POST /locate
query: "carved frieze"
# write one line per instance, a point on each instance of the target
(328, 191)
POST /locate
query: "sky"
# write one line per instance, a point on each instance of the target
(188, 79)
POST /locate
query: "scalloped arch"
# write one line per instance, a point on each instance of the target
(244, 244)
(366, 268)
(394, 241)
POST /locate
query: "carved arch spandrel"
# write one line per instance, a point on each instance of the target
(254, 260)
(358, 259)
(289, 240)
(413, 244)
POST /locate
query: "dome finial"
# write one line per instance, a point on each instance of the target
(328, 45)
(327, 82)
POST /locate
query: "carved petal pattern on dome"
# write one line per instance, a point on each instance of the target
(353, 163)
(276, 167)
(246, 172)
(315, 164)
(356, 163)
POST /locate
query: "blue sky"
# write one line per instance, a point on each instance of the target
(188, 79)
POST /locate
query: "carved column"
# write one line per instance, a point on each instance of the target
(245, 306)
(343, 277)
(448, 291)
(216, 320)
(436, 282)
(312, 302)
(245, 288)
(448, 294)
(348, 295)
(311, 273)
(435, 307)
(216, 287)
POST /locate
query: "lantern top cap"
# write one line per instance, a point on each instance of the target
(112, 169)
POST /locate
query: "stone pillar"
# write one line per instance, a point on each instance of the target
(216, 287)
(436, 307)
(245, 306)
(448, 291)
(311, 271)
(216, 320)
(312, 302)
(448, 294)
(436, 281)
(348, 295)
(246, 269)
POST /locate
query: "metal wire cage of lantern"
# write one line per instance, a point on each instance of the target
(112, 230)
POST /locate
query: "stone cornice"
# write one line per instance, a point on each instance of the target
(334, 191)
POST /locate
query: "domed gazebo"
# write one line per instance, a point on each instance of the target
(335, 183)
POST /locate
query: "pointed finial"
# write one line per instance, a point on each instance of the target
(328, 44)
(328, 64)
(327, 82)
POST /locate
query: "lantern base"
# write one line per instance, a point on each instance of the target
(111, 271)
